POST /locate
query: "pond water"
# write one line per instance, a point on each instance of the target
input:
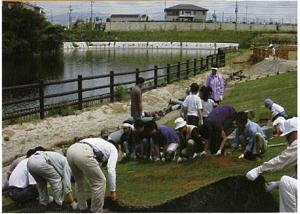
(88, 63)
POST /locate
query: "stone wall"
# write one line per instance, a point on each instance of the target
(141, 26)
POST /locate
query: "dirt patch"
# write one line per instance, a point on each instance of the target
(225, 161)
(232, 194)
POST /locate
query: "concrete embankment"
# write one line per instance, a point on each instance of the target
(148, 45)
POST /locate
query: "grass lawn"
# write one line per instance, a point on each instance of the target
(145, 183)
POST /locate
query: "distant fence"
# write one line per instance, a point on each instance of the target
(161, 76)
(282, 52)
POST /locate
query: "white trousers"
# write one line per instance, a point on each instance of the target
(82, 163)
(42, 172)
(288, 194)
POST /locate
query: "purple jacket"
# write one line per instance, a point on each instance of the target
(169, 134)
(217, 85)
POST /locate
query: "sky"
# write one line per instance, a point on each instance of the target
(259, 11)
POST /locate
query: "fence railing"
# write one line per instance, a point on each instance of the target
(161, 76)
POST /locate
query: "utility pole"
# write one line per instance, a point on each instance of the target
(236, 12)
(91, 14)
(51, 16)
(70, 16)
(246, 13)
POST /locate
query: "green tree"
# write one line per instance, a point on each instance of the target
(26, 32)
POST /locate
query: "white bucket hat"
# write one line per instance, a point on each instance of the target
(179, 123)
(290, 125)
(214, 68)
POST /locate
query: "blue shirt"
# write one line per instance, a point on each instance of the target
(249, 133)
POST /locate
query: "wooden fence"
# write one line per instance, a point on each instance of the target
(282, 51)
(170, 74)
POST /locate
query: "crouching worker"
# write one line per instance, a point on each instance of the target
(21, 184)
(85, 158)
(192, 142)
(287, 185)
(250, 136)
(219, 125)
(162, 136)
(52, 167)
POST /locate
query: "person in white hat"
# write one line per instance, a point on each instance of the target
(287, 185)
(193, 143)
(127, 139)
(273, 51)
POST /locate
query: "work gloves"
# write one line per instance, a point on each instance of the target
(241, 156)
(254, 173)
(219, 152)
(74, 205)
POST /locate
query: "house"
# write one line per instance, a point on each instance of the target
(25, 5)
(128, 17)
(185, 12)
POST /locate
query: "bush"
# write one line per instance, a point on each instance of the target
(121, 93)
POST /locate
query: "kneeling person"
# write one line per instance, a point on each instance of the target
(192, 143)
(250, 136)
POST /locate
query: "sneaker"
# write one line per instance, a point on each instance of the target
(157, 159)
(203, 154)
(163, 159)
(50, 200)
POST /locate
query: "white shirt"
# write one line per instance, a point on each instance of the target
(276, 109)
(208, 106)
(110, 153)
(287, 158)
(192, 103)
(280, 122)
(20, 177)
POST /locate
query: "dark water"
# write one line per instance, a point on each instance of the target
(87, 63)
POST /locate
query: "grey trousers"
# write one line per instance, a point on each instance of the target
(82, 162)
(43, 173)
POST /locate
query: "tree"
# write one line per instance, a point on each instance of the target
(26, 32)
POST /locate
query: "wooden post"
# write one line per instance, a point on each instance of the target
(168, 73)
(201, 64)
(112, 92)
(195, 67)
(207, 62)
(217, 60)
(137, 74)
(41, 96)
(155, 76)
(212, 61)
(178, 70)
(187, 68)
(80, 92)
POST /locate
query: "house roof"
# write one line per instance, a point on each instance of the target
(125, 15)
(186, 7)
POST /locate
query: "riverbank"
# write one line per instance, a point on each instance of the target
(53, 131)
(244, 38)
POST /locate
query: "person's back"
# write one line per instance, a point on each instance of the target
(20, 177)
(222, 115)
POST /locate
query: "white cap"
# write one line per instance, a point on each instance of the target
(179, 122)
(214, 68)
(271, 45)
(127, 125)
(280, 122)
(290, 125)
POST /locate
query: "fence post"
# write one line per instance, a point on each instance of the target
(41, 96)
(212, 61)
(137, 74)
(187, 68)
(195, 66)
(178, 70)
(155, 76)
(201, 64)
(223, 59)
(112, 92)
(217, 60)
(80, 92)
(207, 62)
(168, 73)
